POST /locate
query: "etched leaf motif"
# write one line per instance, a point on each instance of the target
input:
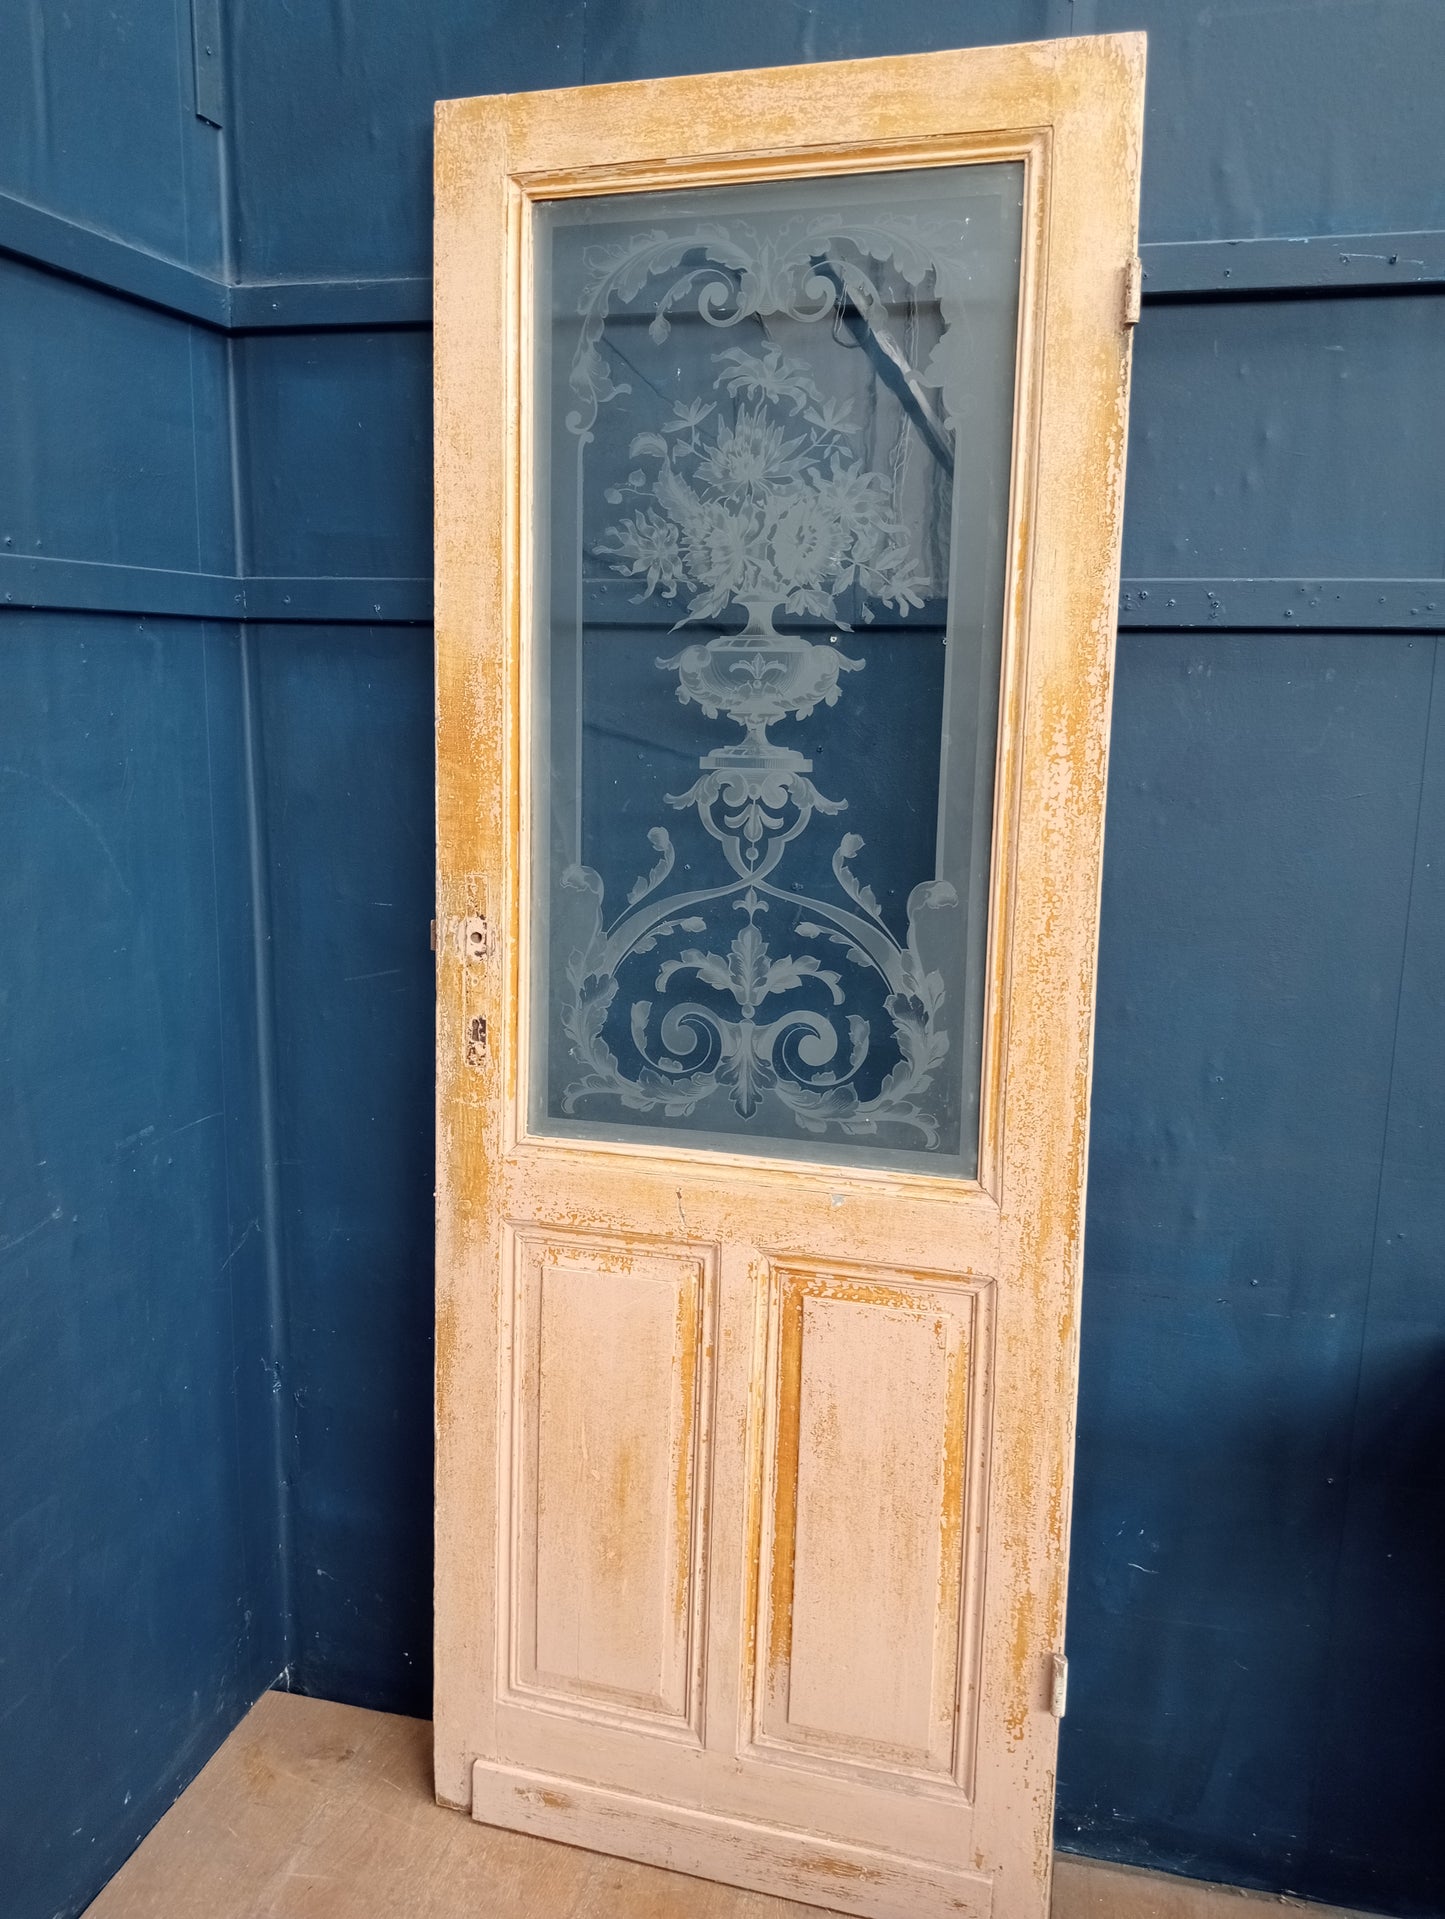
(660, 841)
(688, 416)
(747, 967)
(711, 968)
(785, 974)
(858, 1041)
(768, 376)
(848, 848)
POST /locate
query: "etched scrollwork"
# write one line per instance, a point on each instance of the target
(749, 991)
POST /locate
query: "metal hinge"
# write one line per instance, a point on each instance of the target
(1058, 1684)
(1133, 291)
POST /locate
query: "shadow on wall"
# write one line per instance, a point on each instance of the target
(1260, 1673)
(1380, 1773)
(1258, 1575)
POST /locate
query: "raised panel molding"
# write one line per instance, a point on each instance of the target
(868, 1521)
(605, 1477)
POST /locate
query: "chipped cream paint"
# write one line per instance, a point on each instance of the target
(708, 1789)
(604, 1509)
(937, 1494)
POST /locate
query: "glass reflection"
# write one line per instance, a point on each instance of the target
(772, 453)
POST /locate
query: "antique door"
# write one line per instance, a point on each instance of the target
(780, 427)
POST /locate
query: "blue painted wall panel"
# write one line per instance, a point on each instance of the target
(332, 116)
(337, 453)
(347, 719)
(1274, 438)
(1261, 898)
(1318, 116)
(638, 42)
(1382, 1729)
(1313, 118)
(114, 426)
(140, 1590)
(140, 1568)
(98, 123)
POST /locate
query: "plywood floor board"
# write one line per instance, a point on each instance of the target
(1087, 1889)
(313, 1810)
(318, 1811)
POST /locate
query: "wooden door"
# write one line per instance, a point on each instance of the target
(780, 428)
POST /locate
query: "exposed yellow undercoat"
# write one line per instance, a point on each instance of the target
(722, 1781)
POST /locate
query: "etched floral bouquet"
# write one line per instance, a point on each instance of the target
(759, 495)
(773, 511)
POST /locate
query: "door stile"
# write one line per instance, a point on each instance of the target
(471, 502)
(1069, 598)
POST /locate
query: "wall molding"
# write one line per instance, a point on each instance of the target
(41, 584)
(1174, 271)
(1310, 266)
(1282, 606)
(37, 583)
(54, 244)
(49, 241)
(326, 306)
(1313, 266)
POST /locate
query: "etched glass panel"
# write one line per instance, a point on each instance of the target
(771, 450)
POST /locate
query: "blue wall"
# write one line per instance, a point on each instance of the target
(1259, 1546)
(138, 1597)
(217, 1129)
(140, 1569)
(347, 718)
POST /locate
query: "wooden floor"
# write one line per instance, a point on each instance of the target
(317, 1811)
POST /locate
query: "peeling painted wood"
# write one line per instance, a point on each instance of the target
(687, 1714)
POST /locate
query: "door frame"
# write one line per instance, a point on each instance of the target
(1072, 111)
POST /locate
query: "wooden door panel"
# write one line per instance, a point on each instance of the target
(608, 1473)
(872, 1456)
(762, 1132)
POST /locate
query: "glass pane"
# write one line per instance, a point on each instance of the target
(772, 445)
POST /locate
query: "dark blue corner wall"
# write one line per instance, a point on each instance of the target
(215, 988)
(140, 1564)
